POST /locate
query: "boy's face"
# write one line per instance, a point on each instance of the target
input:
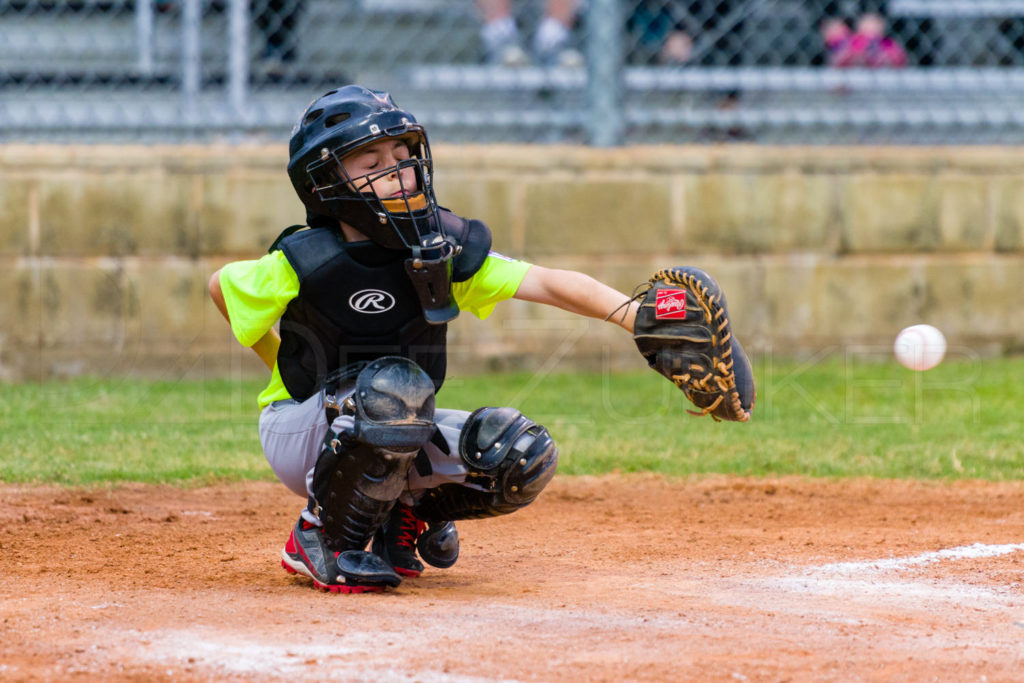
(372, 169)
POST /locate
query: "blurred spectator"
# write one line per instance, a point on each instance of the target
(668, 31)
(677, 49)
(502, 44)
(276, 21)
(659, 34)
(836, 35)
(866, 47)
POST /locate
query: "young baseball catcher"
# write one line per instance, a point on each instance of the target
(362, 297)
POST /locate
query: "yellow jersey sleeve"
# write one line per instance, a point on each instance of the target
(257, 293)
(497, 280)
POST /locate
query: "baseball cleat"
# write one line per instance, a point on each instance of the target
(395, 541)
(351, 571)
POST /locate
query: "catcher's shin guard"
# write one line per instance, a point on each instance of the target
(362, 470)
(510, 457)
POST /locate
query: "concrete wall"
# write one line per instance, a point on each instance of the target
(105, 251)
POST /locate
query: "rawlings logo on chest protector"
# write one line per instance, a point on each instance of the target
(670, 304)
(371, 301)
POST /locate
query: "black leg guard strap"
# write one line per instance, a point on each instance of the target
(508, 455)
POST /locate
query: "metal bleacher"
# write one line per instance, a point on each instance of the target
(957, 104)
(92, 70)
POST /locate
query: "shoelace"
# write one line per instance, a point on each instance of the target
(409, 527)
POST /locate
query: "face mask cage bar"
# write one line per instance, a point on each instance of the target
(331, 181)
(411, 214)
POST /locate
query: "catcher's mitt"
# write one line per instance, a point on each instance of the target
(682, 329)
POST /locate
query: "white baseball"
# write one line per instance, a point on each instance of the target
(920, 347)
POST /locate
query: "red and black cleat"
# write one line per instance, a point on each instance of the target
(351, 571)
(395, 541)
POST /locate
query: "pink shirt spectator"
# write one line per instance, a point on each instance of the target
(868, 47)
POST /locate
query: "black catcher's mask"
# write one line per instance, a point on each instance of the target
(342, 121)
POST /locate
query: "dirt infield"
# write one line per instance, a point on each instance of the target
(612, 578)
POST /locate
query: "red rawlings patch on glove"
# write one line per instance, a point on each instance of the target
(670, 304)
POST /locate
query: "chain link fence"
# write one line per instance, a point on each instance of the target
(601, 72)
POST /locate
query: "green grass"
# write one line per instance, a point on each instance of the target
(823, 418)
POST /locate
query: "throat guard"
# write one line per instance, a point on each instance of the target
(456, 254)
(432, 280)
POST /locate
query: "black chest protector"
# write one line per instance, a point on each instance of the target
(357, 303)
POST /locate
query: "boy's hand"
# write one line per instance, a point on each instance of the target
(682, 330)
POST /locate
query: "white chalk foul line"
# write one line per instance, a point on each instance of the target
(967, 552)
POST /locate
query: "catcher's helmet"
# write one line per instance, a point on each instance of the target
(334, 125)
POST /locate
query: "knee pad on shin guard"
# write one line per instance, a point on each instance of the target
(511, 457)
(362, 470)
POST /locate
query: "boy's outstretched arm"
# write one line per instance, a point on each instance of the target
(267, 345)
(577, 293)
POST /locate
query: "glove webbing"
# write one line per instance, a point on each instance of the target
(726, 381)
